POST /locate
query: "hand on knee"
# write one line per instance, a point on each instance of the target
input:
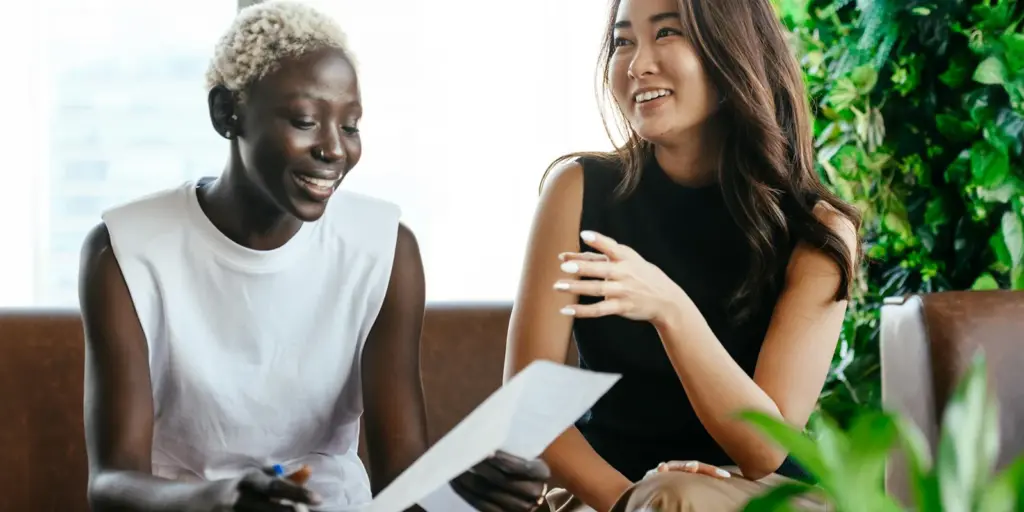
(690, 466)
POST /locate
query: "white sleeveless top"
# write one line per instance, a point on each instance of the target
(255, 355)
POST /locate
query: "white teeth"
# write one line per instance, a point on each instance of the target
(650, 95)
(319, 182)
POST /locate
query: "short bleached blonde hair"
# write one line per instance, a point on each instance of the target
(262, 35)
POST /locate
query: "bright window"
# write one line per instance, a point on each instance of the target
(466, 103)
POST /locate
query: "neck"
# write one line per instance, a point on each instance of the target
(691, 159)
(243, 214)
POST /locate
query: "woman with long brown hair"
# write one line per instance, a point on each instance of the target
(703, 260)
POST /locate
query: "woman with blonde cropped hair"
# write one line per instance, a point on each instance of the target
(249, 321)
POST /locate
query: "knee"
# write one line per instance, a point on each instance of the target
(671, 492)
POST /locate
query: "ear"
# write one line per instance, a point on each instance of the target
(223, 112)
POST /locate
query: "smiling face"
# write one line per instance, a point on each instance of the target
(656, 76)
(299, 134)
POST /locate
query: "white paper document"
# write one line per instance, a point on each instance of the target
(522, 418)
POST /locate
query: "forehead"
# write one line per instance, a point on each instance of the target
(641, 11)
(324, 74)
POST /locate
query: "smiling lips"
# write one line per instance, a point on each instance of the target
(648, 98)
(318, 189)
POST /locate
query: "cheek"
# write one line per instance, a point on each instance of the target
(618, 70)
(353, 151)
(271, 151)
(700, 92)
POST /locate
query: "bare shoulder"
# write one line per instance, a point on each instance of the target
(407, 247)
(106, 305)
(98, 267)
(536, 329)
(564, 182)
(407, 280)
(97, 244)
(809, 262)
(838, 222)
(557, 217)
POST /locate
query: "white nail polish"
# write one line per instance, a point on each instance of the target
(588, 236)
(691, 465)
(561, 285)
(570, 267)
(568, 311)
(723, 473)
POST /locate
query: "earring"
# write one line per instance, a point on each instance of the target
(234, 119)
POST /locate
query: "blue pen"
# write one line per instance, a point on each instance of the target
(278, 470)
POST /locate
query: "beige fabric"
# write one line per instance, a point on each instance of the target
(560, 500)
(685, 492)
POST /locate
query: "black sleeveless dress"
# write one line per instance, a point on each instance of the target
(687, 232)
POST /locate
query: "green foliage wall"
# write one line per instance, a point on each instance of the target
(919, 109)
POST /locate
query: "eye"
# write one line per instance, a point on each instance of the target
(620, 41)
(352, 130)
(303, 124)
(665, 32)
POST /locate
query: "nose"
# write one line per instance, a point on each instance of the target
(645, 62)
(330, 149)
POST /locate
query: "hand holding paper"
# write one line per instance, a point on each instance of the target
(521, 418)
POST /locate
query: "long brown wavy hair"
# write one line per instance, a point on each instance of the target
(766, 165)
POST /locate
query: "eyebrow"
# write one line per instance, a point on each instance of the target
(303, 95)
(654, 19)
(316, 97)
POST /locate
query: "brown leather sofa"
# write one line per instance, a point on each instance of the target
(42, 448)
(927, 341)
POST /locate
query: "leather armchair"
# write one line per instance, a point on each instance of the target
(927, 342)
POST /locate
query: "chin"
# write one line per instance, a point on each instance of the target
(302, 208)
(308, 211)
(658, 135)
(664, 133)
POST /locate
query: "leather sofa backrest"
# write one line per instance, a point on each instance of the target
(41, 378)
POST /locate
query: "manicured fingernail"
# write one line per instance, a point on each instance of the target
(568, 311)
(561, 285)
(722, 473)
(570, 267)
(690, 465)
(561, 256)
(588, 236)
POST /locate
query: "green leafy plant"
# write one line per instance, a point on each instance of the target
(849, 465)
(919, 122)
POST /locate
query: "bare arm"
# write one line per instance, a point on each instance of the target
(538, 331)
(396, 420)
(118, 399)
(791, 368)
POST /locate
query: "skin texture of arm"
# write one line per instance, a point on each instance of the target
(791, 368)
(118, 398)
(395, 415)
(538, 331)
